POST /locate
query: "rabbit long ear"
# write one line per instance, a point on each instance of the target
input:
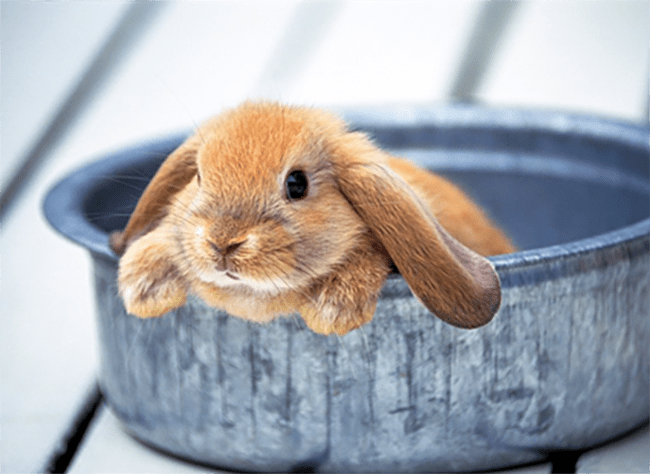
(453, 282)
(176, 171)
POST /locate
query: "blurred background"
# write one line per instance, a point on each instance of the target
(79, 79)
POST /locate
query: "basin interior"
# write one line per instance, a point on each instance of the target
(539, 199)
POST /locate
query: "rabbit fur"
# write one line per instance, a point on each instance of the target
(217, 221)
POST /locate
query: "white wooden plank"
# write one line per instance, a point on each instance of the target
(631, 454)
(204, 56)
(198, 58)
(48, 352)
(589, 57)
(46, 47)
(387, 52)
(108, 449)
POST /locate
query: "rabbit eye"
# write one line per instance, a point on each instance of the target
(296, 185)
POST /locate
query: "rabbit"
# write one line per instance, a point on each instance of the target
(269, 209)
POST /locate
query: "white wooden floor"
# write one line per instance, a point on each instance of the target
(182, 62)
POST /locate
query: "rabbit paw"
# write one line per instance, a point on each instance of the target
(328, 314)
(346, 299)
(149, 284)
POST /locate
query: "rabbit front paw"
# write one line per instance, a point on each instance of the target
(149, 284)
(150, 297)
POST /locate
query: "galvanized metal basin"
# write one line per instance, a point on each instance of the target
(564, 364)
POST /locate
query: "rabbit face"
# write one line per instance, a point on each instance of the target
(263, 212)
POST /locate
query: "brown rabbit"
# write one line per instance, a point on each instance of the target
(269, 209)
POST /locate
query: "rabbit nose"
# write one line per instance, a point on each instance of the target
(227, 249)
(223, 252)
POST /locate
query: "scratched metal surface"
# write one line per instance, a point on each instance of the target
(563, 365)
